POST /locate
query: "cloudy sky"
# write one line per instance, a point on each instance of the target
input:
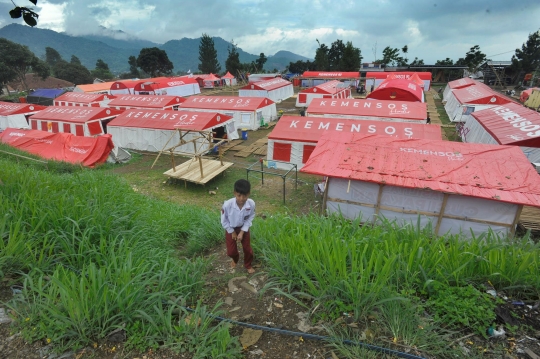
(433, 30)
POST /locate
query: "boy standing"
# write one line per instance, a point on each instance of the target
(236, 217)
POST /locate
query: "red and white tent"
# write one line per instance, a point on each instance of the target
(457, 188)
(276, 89)
(88, 151)
(361, 109)
(248, 112)
(124, 87)
(229, 79)
(252, 78)
(456, 85)
(152, 130)
(398, 89)
(470, 99)
(16, 115)
(82, 99)
(80, 121)
(293, 139)
(174, 86)
(208, 81)
(376, 78)
(509, 124)
(163, 102)
(331, 89)
(314, 78)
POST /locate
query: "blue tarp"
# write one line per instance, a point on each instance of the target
(49, 93)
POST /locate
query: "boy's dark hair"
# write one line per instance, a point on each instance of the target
(242, 186)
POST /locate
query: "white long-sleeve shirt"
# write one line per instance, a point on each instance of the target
(232, 216)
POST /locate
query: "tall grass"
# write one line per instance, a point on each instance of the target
(93, 255)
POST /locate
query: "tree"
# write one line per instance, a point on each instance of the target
(208, 56)
(17, 60)
(102, 71)
(473, 58)
(417, 62)
(351, 58)
(232, 64)
(73, 72)
(335, 54)
(321, 57)
(75, 60)
(133, 69)
(261, 61)
(52, 57)
(391, 56)
(300, 66)
(527, 58)
(28, 15)
(446, 62)
(154, 61)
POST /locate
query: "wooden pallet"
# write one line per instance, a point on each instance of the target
(261, 151)
(247, 151)
(191, 170)
(530, 218)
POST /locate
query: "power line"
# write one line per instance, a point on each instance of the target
(502, 53)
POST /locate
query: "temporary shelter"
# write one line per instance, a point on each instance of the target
(509, 124)
(208, 81)
(248, 112)
(88, 151)
(293, 139)
(16, 115)
(314, 78)
(276, 89)
(82, 99)
(454, 187)
(228, 79)
(163, 102)
(456, 85)
(80, 121)
(361, 109)
(470, 99)
(44, 97)
(252, 78)
(398, 89)
(152, 130)
(174, 86)
(414, 78)
(124, 87)
(98, 87)
(331, 89)
(534, 100)
(376, 78)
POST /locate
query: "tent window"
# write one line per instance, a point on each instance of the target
(44, 126)
(327, 96)
(302, 97)
(34, 124)
(79, 131)
(308, 149)
(94, 128)
(246, 118)
(282, 152)
(55, 127)
(67, 128)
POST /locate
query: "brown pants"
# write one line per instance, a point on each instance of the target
(232, 248)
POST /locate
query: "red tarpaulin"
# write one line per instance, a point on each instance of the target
(461, 83)
(369, 108)
(493, 172)
(310, 129)
(146, 101)
(331, 75)
(401, 90)
(511, 124)
(88, 151)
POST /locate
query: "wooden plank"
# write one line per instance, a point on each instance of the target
(190, 171)
(239, 148)
(243, 154)
(261, 151)
(530, 218)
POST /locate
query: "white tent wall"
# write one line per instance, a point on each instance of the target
(152, 140)
(446, 92)
(230, 82)
(275, 95)
(369, 118)
(125, 91)
(253, 93)
(242, 119)
(474, 132)
(13, 121)
(461, 215)
(450, 107)
(181, 90)
(459, 116)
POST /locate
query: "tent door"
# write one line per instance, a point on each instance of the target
(282, 152)
(302, 97)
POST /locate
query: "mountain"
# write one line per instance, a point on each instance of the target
(115, 47)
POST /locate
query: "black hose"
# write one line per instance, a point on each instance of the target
(313, 336)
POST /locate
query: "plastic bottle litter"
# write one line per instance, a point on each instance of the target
(494, 333)
(493, 292)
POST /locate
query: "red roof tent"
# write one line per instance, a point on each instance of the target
(461, 83)
(158, 85)
(86, 121)
(330, 88)
(227, 76)
(146, 101)
(168, 120)
(81, 99)
(511, 124)
(493, 172)
(401, 90)
(415, 111)
(331, 75)
(60, 146)
(480, 94)
(267, 85)
(226, 103)
(310, 129)
(10, 108)
(381, 76)
(124, 87)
